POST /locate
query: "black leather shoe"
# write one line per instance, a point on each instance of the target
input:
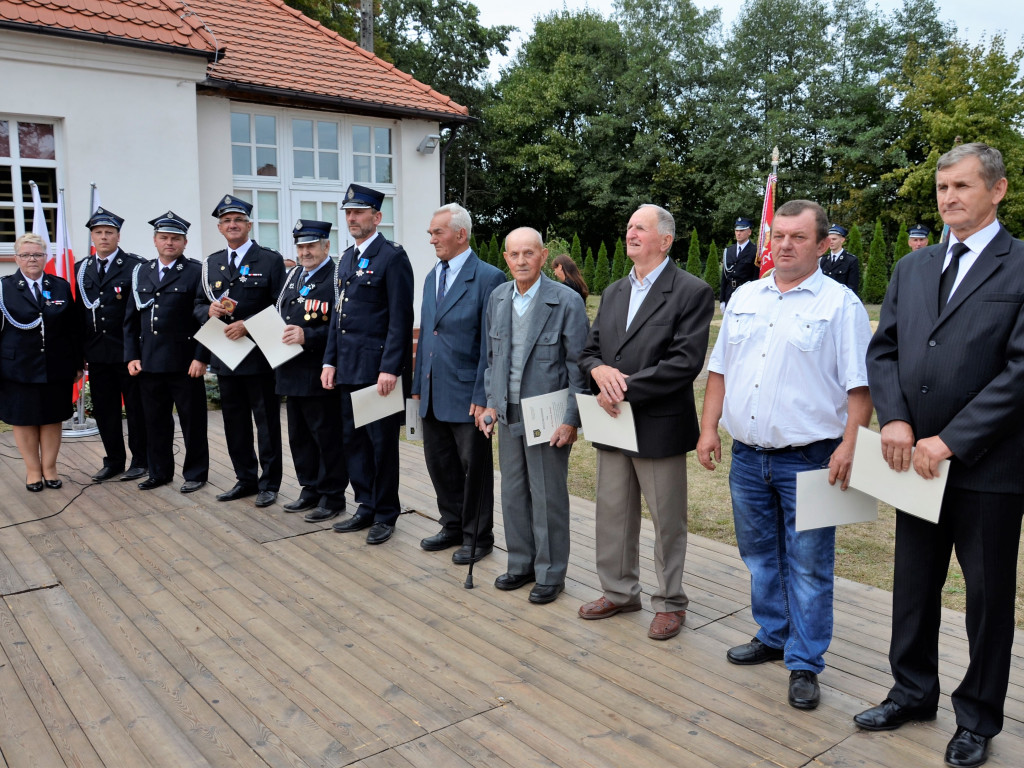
(754, 652)
(461, 556)
(804, 692)
(441, 540)
(240, 491)
(379, 533)
(320, 514)
(53, 483)
(888, 716)
(266, 498)
(545, 593)
(106, 473)
(151, 483)
(300, 505)
(191, 486)
(354, 523)
(508, 581)
(35, 487)
(967, 749)
(133, 473)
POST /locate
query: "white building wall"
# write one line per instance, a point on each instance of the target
(214, 130)
(127, 123)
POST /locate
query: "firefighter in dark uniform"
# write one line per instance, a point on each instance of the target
(159, 348)
(314, 419)
(250, 278)
(839, 264)
(370, 343)
(739, 261)
(104, 289)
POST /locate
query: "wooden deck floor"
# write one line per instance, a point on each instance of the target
(156, 629)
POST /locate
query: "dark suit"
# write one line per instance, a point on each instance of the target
(247, 392)
(738, 268)
(372, 334)
(160, 335)
(662, 351)
(109, 380)
(314, 419)
(534, 490)
(957, 375)
(450, 360)
(845, 270)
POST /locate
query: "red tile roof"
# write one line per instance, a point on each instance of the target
(266, 49)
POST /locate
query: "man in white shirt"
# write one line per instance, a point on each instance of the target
(788, 375)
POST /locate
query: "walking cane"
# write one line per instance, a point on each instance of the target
(476, 528)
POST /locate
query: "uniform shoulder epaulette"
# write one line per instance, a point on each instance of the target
(197, 262)
(270, 250)
(218, 253)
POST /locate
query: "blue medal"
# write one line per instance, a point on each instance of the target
(364, 263)
(244, 270)
(304, 290)
(46, 295)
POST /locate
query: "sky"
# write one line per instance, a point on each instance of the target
(972, 17)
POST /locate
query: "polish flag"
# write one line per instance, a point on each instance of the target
(764, 235)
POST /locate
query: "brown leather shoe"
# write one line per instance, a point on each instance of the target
(602, 608)
(666, 625)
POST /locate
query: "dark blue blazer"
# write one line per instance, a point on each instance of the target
(741, 269)
(300, 376)
(451, 355)
(372, 334)
(845, 271)
(957, 375)
(51, 352)
(254, 292)
(104, 324)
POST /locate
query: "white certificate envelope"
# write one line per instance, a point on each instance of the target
(413, 422)
(542, 415)
(231, 352)
(907, 491)
(368, 406)
(618, 432)
(266, 329)
(819, 504)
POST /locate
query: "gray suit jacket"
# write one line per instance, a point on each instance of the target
(957, 374)
(555, 334)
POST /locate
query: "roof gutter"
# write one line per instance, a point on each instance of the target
(94, 37)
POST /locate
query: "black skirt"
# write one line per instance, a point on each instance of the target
(31, 405)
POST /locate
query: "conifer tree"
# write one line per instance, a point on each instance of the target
(693, 265)
(901, 247)
(620, 264)
(602, 271)
(713, 270)
(576, 252)
(855, 243)
(589, 269)
(875, 278)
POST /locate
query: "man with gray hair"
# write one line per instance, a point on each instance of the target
(646, 347)
(449, 384)
(945, 367)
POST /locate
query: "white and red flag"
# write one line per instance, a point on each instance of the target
(64, 263)
(39, 223)
(764, 234)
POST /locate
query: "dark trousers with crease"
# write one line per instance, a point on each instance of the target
(109, 384)
(244, 400)
(318, 452)
(161, 394)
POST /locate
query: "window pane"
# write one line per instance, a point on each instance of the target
(240, 160)
(6, 184)
(266, 129)
(330, 213)
(388, 231)
(387, 209)
(240, 128)
(269, 236)
(329, 165)
(307, 210)
(45, 179)
(35, 140)
(302, 133)
(382, 141)
(303, 164)
(5, 139)
(266, 161)
(7, 234)
(383, 170)
(266, 205)
(327, 133)
(243, 194)
(361, 168)
(361, 139)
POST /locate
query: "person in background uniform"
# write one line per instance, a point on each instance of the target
(250, 278)
(159, 348)
(104, 290)
(40, 359)
(449, 384)
(314, 418)
(565, 269)
(917, 237)
(739, 261)
(536, 329)
(839, 264)
(370, 343)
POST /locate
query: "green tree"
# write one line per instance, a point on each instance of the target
(875, 279)
(620, 264)
(602, 270)
(589, 269)
(495, 249)
(341, 17)
(713, 270)
(474, 245)
(901, 247)
(693, 265)
(576, 251)
(855, 243)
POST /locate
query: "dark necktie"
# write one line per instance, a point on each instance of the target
(234, 264)
(442, 287)
(101, 267)
(305, 277)
(163, 272)
(949, 274)
(37, 294)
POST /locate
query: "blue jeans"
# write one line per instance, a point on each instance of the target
(791, 574)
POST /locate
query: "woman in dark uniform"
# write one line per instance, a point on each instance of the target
(565, 269)
(40, 359)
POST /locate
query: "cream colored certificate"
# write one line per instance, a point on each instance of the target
(266, 328)
(368, 406)
(599, 427)
(231, 352)
(819, 505)
(413, 422)
(542, 415)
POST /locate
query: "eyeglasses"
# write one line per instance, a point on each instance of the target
(234, 221)
(31, 256)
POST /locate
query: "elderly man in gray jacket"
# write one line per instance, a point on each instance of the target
(536, 328)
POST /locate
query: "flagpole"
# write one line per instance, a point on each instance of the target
(78, 425)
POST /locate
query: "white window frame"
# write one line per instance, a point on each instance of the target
(22, 204)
